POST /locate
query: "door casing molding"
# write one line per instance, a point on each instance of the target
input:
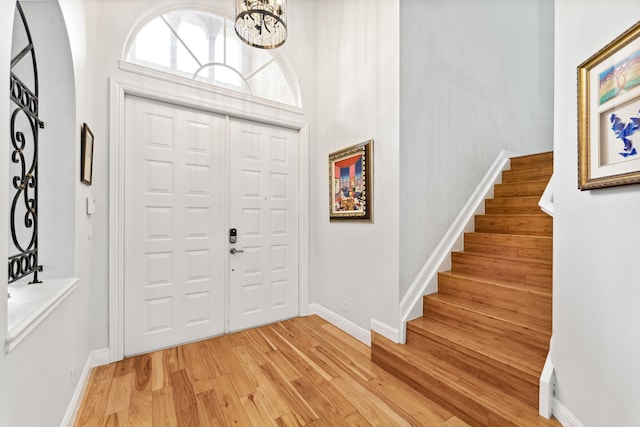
(220, 103)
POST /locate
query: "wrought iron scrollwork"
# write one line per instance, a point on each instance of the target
(23, 217)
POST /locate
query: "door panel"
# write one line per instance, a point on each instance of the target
(263, 207)
(174, 225)
(181, 183)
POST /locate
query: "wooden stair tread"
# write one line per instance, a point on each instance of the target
(531, 224)
(515, 204)
(532, 272)
(529, 172)
(515, 200)
(532, 159)
(500, 282)
(445, 382)
(518, 245)
(508, 323)
(537, 261)
(528, 224)
(497, 349)
(519, 189)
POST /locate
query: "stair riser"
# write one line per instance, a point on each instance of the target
(535, 173)
(536, 341)
(535, 276)
(538, 247)
(441, 392)
(532, 225)
(517, 189)
(502, 376)
(529, 306)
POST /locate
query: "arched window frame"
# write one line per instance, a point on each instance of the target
(246, 90)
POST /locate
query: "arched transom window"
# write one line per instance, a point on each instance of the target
(203, 46)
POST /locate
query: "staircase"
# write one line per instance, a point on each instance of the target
(481, 344)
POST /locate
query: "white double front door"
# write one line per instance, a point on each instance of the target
(190, 177)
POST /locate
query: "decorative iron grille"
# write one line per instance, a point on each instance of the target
(23, 217)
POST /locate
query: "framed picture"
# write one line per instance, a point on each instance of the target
(86, 155)
(609, 114)
(351, 183)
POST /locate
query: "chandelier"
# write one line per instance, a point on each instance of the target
(262, 23)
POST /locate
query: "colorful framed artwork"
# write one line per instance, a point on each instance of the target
(351, 183)
(86, 155)
(609, 114)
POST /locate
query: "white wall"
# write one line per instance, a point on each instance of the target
(41, 363)
(475, 79)
(357, 100)
(596, 321)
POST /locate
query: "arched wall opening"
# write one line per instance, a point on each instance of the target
(57, 159)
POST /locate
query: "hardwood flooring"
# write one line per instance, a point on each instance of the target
(299, 372)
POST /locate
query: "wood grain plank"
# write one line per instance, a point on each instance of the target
(296, 357)
(140, 406)
(96, 395)
(186, 406)
(160, 376)
(299, 407)
(212, 361)
(323, 398)
(209, 410)
(163, 410)
(120, 394)
(117, 419)
(230, 406)
(256, 410)
(274, 401)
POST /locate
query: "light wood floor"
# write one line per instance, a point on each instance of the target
(300, 372)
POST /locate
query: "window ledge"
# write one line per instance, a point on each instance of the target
(29, 305)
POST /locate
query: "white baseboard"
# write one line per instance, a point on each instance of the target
(96, 358)
(566, 418)
(340, 322)
(386, 331)
(547, 380)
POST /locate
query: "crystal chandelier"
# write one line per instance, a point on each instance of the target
(262, 23)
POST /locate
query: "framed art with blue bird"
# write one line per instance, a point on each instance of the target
(609, 114)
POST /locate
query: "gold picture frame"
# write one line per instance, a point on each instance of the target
(86, 155)
(351, 183)
(609, 114)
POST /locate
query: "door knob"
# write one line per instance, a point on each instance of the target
(235, 251)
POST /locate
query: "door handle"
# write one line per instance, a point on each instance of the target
(235, 251)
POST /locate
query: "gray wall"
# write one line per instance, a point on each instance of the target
(476, 78)
(596, 290)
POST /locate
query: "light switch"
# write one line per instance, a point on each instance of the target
(91, 205)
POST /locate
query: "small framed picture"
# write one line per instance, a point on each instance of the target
(86, 155)
(609, 114)
(351, 183)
